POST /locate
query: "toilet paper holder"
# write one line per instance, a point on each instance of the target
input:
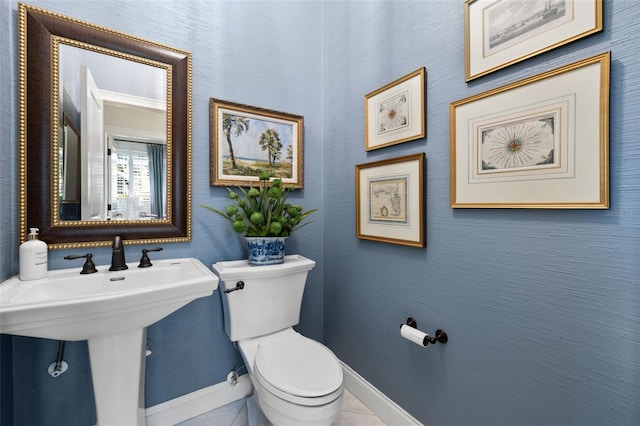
(440, 336)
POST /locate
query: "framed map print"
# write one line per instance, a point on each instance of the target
(542, 142)
(390, 201)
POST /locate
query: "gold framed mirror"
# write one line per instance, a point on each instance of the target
(104, 134)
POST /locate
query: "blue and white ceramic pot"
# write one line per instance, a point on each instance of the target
(266, 250)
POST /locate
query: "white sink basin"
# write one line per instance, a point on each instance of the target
(111, 310)
(69, 306)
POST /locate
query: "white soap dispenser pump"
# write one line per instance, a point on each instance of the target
(33, 257)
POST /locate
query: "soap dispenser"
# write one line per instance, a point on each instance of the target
(33, 257)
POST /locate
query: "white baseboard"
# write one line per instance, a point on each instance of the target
(199, 402)
(386, 410)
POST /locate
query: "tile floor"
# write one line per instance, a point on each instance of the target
(353, 413)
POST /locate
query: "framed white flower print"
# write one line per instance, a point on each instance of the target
(542, 142)
(395, 113)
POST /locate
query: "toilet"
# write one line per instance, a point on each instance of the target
(297, 380)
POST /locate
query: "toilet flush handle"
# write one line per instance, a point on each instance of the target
(239, 286)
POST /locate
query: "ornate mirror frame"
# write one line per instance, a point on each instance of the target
(39, 135)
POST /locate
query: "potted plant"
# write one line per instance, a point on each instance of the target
(265, 218)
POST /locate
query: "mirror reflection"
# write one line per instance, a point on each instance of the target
(113, 153)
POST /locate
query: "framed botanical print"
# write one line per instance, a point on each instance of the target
(395, 113)
(542, 142)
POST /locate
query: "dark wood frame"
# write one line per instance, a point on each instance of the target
(37, 27)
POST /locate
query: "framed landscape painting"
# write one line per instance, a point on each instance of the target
(501, 33)
(247, 141)
(542, 142)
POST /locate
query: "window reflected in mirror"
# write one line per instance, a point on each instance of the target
(136, 184)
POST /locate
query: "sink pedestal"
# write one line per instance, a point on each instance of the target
(117, 369)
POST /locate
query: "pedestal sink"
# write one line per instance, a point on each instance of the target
(111, 310)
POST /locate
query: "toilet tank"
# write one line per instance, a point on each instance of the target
(270, 300)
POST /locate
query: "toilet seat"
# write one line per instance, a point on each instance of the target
(298, 369)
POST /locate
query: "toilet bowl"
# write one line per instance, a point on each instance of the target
(298, 381)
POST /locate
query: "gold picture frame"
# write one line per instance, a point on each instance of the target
(499, 34)
(390, 197)
(542, 142)
(395, 113)
(265, 141)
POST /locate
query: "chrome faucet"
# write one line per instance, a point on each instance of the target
(117, 255)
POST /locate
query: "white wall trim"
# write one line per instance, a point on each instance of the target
(386, 410)
(199, 402)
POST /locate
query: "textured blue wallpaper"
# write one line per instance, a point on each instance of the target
(542, 308)
(258, 53)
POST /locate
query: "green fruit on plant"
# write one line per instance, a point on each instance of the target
(256, 218)
(264, 176)
(274, 192)
(275, 228)
(238, 226)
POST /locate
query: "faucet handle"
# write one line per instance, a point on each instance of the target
(118, 262)
(145, 262)
(116, 244)
(89, 267)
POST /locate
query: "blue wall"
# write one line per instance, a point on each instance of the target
(257, 53)
(542, 307)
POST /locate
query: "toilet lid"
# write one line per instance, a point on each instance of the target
(298, 366)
